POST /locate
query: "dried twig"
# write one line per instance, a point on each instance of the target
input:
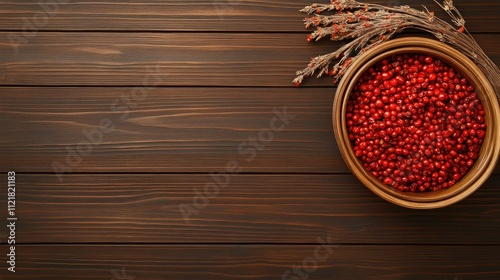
(369, 25)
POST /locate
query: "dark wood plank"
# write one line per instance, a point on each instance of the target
(203, 15)
(145, 208)
(170, 130)
(255, 262)
(172, 59)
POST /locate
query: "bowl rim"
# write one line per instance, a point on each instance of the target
(483, 167)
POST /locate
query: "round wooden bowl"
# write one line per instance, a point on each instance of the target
(490, 148)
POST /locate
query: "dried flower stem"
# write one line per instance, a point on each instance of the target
(371, 24)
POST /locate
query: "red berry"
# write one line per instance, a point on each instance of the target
(419, 131)
(388, 181)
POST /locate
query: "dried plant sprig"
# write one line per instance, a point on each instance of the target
(369, 25)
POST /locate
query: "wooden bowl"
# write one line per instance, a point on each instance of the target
(490, 148)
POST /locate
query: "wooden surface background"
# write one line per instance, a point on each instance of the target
(220, 68)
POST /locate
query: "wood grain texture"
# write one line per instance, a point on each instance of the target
(114, 208)
(223, 66)
(168, 59)
(260, 262)
(170, 130)
(204, 15)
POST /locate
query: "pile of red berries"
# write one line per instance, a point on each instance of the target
(415, 123)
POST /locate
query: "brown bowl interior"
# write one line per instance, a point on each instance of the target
(489, 152)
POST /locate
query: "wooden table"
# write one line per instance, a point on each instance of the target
(164, 140)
